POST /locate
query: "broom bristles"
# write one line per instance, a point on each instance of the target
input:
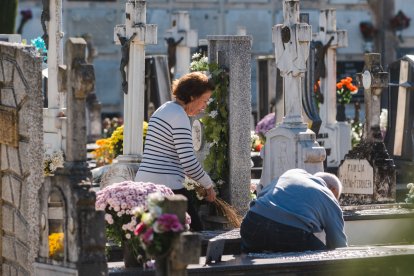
(226, 209)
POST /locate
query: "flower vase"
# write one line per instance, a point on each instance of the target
(340, 113)
(130, 260)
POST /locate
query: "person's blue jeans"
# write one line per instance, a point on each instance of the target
(259, 234)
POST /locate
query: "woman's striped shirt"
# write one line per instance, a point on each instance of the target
(168, 151)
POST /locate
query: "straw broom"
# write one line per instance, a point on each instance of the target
(226, 209)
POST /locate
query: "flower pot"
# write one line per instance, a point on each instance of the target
(130, 260)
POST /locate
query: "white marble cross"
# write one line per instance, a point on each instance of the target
(139, 34)
(291, 144)
(373, 79)
(292, 41)
(54, 123)
(185, 37)
(335, 136)
(331, 37)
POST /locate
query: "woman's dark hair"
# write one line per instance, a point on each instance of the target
(190, 85)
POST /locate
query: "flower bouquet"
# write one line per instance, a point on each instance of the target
(265, 124)
(345, 89)
(157, 230)
(118, 201)
(52, 161)
(109, 148)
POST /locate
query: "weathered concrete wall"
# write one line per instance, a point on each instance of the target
(21, 161)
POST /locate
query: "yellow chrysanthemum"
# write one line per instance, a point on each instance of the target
(56, 245)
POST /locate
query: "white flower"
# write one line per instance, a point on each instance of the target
(196, 56)
(213, 114)
(220, 182)
(210, 101)
(128, 236)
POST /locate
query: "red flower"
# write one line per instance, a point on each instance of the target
(140, 227)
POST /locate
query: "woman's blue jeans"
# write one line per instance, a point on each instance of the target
(259, 234)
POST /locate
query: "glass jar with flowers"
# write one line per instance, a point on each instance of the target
(118, 202)
(344, 91)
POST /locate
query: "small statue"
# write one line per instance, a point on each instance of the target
(43, 18)
(125, 43)
(172, 46)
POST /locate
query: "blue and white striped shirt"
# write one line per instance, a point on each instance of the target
(168, 151)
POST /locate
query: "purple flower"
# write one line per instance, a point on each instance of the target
(267, 123)
(169, 222)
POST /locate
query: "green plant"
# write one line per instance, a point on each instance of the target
(215, 121)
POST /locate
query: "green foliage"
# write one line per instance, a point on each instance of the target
(216, 128)
(8, 12)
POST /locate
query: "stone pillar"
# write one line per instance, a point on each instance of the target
(334, 136)
(132, 35)
(185, 37)
(80, 81)
(83, 228)
(234, 53)
(291, 145)
(368, 173)
(186, 249)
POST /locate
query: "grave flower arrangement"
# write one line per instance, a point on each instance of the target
(40, 46)
(215, 121)
(157, 230)
(56, 245)
(345, 89)
(52, 161)
(118, 202)
(264, 125)
(256, 142)
(410, 195)
(109, 148)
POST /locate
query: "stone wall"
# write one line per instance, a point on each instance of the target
(21, 151)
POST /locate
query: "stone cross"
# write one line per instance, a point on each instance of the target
(80, 78)
(184, 38)
(368, 173)
(135, 27)
(374, 80)
(291, 41)
(53, 115)
(331, 39)
(335, 136)
(133, 36)
(54, 52)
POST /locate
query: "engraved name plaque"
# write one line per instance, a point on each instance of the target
(357, 177)
(9, 126)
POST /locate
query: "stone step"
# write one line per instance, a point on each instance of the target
(367, 260)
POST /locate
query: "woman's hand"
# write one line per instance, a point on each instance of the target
(211, 194)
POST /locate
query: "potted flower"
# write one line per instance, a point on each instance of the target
(344, 91)
(118, 202)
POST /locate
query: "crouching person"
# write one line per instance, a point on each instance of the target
(290, 209)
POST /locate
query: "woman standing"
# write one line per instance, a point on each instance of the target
(168, 151)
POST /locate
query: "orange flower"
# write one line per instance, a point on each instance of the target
(339, 85)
